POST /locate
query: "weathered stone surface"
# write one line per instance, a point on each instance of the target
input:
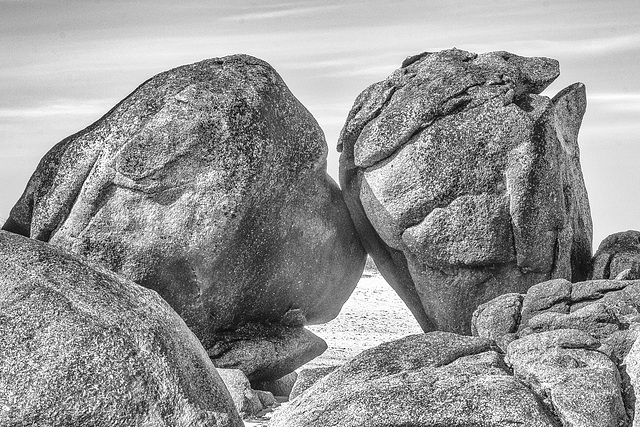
(244, 397)
(436, 379)
(207, 184)
(602, 313)
(631, 365)
(499, 317)
(598, 307)
(582, 385)
(280, 387)
(309, 377)
(83, 346)
(549, 296)
(464, 183)
(617, 253)
(266, 352)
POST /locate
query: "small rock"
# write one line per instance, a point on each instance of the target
(244, 398)
(617, 253)
(280, 387)
(266, 352)
(552, 295)
(497, 317)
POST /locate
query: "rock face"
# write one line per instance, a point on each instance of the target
(244, 397)
(266, 352)
(435, 379)
(464, 183)
(207, 184)
(83, 346)
(616, 254)
(575, 344)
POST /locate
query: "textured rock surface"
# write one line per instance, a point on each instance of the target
(280, 387)
(309, 377)
(464, 183)
(499, 317)
(598, 307)
(568, 338)
(266, 352)
(83, 346)
(617, 253)
(582, 385)
(436, 379)
(207, 184)
(244, 397)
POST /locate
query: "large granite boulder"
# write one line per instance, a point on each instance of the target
(464, 183)
(431, 380)
(82, 346)
(617, 254)
(207, 184)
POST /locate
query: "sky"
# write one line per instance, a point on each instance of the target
(64, 64)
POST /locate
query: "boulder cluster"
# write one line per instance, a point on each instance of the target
(162, 264)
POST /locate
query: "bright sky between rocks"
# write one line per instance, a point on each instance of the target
(65, 64)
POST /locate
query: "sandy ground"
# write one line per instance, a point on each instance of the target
(373, 314)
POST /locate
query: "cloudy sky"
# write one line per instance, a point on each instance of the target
(64, 64)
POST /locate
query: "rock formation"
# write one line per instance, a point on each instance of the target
(575, 344)
(245, 399)
(464, 183)
(434, 379)
(83, 346)
(207, 184)
(617, 253)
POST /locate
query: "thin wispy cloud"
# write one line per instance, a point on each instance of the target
(285, 12)
(64, 108)
(617, 102)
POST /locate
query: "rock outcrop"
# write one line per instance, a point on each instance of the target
(83, 346)
(464, 183)
(207, 184)
(616, 254)
(435, 379)
(575, 344)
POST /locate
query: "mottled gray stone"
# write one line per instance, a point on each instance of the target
(498, 317)
(244, 398)
(464, 183)
(82, 346)
(308, 377)
(564, 369)
(207, 184)
(617, 253)
(549, 296)
(435, 379)
(266, 352)
(280, 387)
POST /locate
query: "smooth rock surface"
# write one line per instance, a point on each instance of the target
(435, 379)
(207, 184)
(80, 346)
(464, 183)
(617, 253)
(280, 387)
(266, 352)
